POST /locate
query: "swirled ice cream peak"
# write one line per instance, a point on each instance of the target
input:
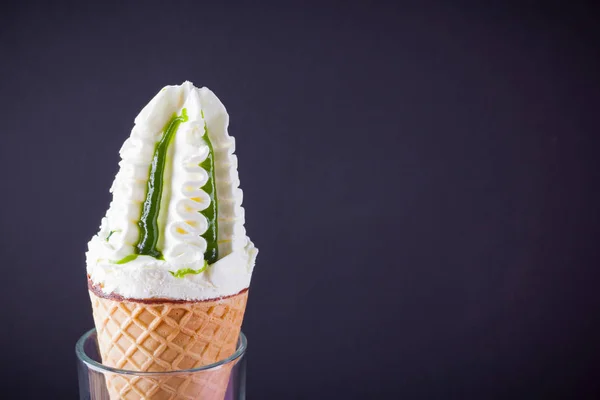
(175, 226)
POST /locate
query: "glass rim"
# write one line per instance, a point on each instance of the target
(99, 367)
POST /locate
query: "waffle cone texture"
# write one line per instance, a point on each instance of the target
(163, 336)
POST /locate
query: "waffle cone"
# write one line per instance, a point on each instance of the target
(162, 336)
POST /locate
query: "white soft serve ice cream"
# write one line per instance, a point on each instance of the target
(175, 226)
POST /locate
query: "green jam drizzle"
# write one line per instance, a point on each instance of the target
(211, 255)
(109, 235)
(148, 222)
(126, 259)
(185, 271)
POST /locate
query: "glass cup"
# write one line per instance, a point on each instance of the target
(224, 380)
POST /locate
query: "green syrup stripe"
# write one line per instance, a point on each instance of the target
(211, 255)
(126, 259)
(148, 222)
(186, 271)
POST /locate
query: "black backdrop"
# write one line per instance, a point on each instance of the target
(421, 183)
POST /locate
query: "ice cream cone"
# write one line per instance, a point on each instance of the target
(167, 335)
(170, 266)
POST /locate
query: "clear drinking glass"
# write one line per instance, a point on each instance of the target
(224, 380)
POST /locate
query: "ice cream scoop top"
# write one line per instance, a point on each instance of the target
(175, 226)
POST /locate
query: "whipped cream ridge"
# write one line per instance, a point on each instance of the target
(175, 226)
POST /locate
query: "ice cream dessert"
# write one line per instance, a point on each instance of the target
(169, 269)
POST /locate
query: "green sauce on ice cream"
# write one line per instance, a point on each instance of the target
(211, 255)
(148, 222)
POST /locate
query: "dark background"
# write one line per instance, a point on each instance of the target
(421, 183)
